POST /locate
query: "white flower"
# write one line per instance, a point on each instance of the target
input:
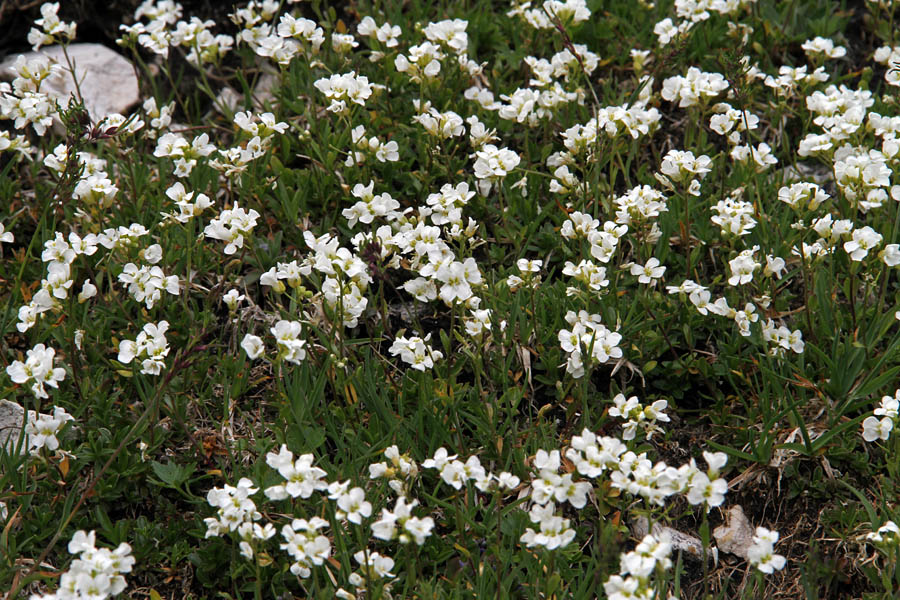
(761, 553)
(253, 346)
(353, 506)
(492, 164)
(402, 524)
(820, 45)
(891, 255)
(508, 481)
(6, 236)
(649, 272)
(874, 428)
(440, 459)
(152, 254)
(146, 284)
(863, 240)
(887, 533)
(232, 298)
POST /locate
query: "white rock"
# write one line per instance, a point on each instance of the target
(736, 535)
(106, 78)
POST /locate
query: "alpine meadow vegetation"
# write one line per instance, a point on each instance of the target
(369, 300)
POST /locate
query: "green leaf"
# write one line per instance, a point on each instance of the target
(732, 452)
(870, 510)
(823, 439)
(301, 439)
(172, 474)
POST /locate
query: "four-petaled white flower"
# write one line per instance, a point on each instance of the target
(649, 272)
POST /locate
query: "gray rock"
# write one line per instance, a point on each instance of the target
(691, 545)
(12, 417)
(106, 78)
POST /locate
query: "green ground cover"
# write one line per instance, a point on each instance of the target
(456, 300)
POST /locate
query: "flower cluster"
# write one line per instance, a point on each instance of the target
(761, 156)
(399, 470)
(886, 416)
(341, 89)
(554, 531)
(293, 36)
(734, 216)
(588, 343)
(372, 567)
(346, 277)
(187, 209)
(549, 485)
(638, 209)
(97, 573)
(351, 502)
(730, 122)
(235, 508)
(694, 88)
(385, 34)
(150, 347)
(528, 275)
(456, 473)
(637, 475)
(289, 346)
(202, 45)
(52, 30)
(416, 352)
(401, 524)
(146, 284)
(683, 168)
(823, 46)
(185, 154)
(231, 226)
(41, 430)
(761, 553)
(370, 206)
(637, 568)
(637, 415)
(302, 477)
(492, 165)
(59, 254)
(782, 339)
(549, 12)
(305, 544)
(23, 102)
(423, 62)
(37, 370)
(373, 146)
